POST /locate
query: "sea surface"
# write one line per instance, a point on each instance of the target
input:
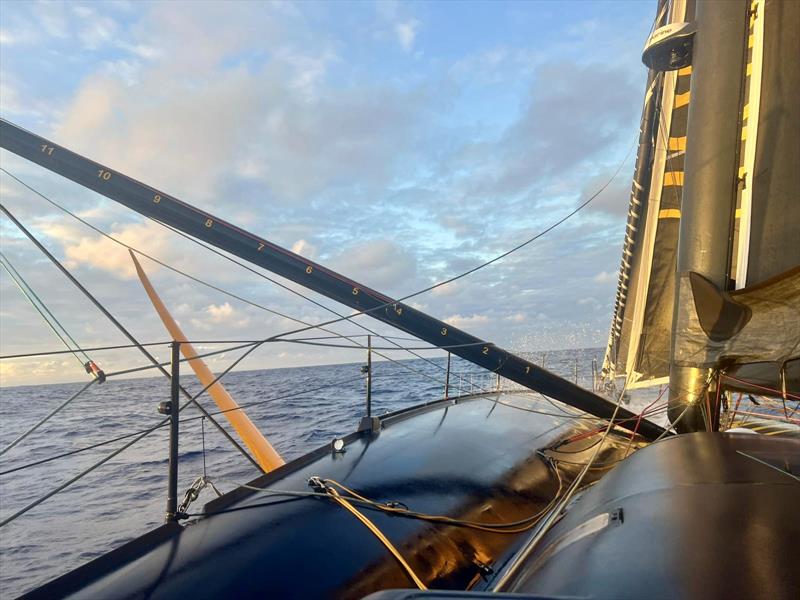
(298, 409)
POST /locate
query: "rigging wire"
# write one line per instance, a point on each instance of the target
(46, 418)
(349, 318)
(119, 326)
(166, 423)
(97, 349)
(198, 342)
(47, 316)
(223, 291)
(422, 291)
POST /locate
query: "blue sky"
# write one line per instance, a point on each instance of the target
(399, 143)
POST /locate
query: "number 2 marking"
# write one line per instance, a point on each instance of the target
(485, 350)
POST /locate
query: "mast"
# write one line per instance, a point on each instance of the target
(710, 179)
(167, 209)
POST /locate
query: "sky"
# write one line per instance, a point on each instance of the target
(399, 143)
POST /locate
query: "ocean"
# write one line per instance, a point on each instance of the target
(298, 409)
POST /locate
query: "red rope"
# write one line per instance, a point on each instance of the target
(761, 387)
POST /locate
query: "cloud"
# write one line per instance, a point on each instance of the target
(303, 248)
(221, 314)
(317, 133)
(100, 253)
(380, 264)
(406, 33)
(467, 322)
(605, 277)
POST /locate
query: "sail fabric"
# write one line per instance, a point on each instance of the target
(639, 343)
(774, 241)
(653, 356)
(759, 324)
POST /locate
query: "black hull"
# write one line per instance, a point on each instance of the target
(474, 459)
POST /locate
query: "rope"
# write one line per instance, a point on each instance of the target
(341, 501)
(761, 387)
(555, 514)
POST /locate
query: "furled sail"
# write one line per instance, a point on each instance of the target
(765, 236)
(639, 343)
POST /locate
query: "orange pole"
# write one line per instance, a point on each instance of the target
(264, 453)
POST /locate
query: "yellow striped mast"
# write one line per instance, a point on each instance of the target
(262, 450)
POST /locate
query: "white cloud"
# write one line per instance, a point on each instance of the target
(406, 32)
(303, 248)
(101, 253)
(605, 277)
(467, 322)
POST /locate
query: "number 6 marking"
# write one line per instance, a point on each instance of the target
(309, 269)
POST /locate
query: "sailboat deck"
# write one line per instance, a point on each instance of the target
(474, 459)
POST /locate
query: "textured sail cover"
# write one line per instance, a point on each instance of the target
(758, 324)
